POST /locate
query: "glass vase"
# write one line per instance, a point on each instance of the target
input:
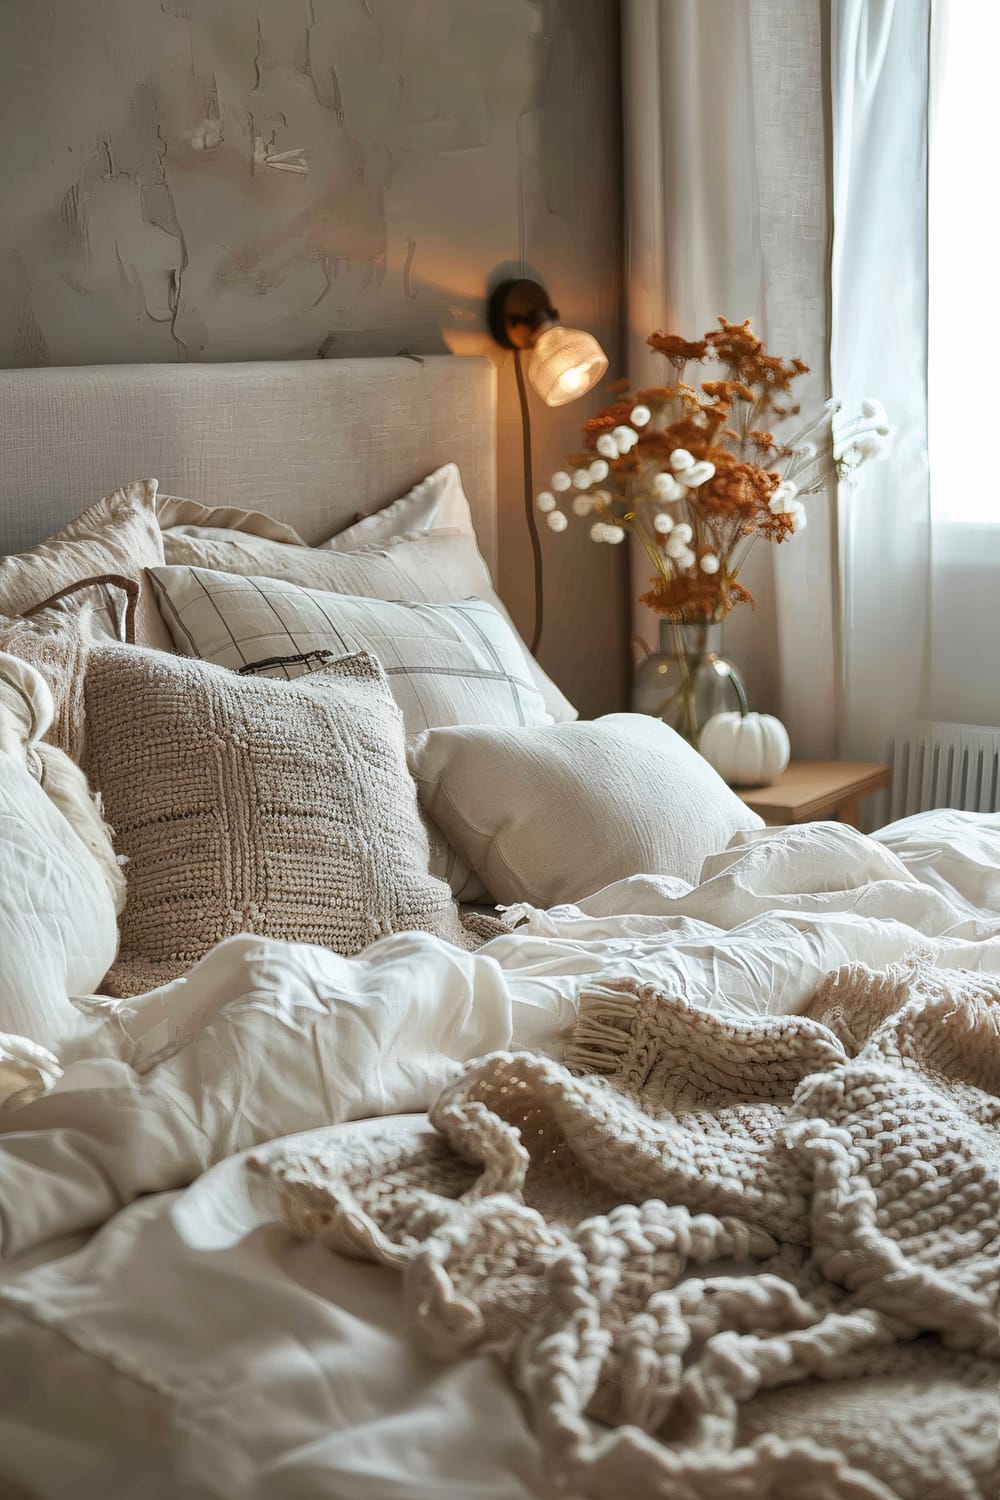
(687, 680)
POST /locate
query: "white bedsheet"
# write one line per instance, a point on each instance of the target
(196, 1349)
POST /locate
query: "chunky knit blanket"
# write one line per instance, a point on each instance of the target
(721, 1259)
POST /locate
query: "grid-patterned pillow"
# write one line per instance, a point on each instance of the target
(446, 663)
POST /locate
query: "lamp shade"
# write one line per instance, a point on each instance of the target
(565, 363)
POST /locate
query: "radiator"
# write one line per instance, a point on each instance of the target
(946, 765)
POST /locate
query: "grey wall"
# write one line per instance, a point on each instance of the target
(150, 209)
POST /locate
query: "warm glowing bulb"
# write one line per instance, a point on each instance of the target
(572, 381)
(565, 364)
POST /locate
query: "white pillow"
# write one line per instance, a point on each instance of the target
(58, 928)
(437, 503)
(551, 815)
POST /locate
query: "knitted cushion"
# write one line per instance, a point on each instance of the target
(254, 805)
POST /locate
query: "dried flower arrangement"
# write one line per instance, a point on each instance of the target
(696, 472)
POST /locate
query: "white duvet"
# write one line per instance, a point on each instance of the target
(162, 1336)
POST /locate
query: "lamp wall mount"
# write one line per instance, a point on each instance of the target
(518, 312)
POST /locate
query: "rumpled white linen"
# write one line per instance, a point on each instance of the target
(196, 1347)
(264, 1038)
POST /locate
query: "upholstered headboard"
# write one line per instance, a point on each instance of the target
(312, 442)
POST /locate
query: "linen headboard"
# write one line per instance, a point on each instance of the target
(312, 442)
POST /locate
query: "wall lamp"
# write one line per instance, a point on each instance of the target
(565, 363)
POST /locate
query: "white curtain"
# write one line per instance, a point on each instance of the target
(965, 490)
(880, 76)
(783, 162)
(727, 174)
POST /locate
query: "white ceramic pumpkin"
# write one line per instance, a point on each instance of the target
(745, 749)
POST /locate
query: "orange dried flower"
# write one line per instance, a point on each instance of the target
(695, 596)
(676, 349)
(727, 390)
(725, 506)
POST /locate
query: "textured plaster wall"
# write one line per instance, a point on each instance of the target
(218, 180)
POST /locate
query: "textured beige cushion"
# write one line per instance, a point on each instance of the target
(437, 503)
(251, 805)
(435, 567)
(552, 815)
(120, 534)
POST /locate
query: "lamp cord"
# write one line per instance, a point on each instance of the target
(529, 509)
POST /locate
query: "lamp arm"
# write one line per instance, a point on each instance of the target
(529, 508)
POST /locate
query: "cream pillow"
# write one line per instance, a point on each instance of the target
(175, 513)
(56, 638)
(252, 805)
(552, 815)
(437, 503)
(59, 882)
(434, 567)
(120, 535)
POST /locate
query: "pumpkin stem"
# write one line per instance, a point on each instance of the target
(741, 697)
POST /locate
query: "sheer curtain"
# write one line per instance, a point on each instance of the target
(727, 173)
(880, 78)
(965, 491)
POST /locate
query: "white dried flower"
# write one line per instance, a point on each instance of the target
(602, 497)
(675, 544)
(626, 438)
(666, 487)
(797, 516)
(663, 523)
(545, 501)
(561, 481)
(598, 470)
(806, 450)
(582, 479)
(683, 532)
(639, 416)
(557, 521)
(709, 563)
(699, 473)
(680, 460)
(597, 531)
(685, 559)
(607, 445)
(614, 534)
(583, 505)
(875, 412)
(872, 445)
(783, 498)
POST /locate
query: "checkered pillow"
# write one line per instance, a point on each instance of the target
(446, 663)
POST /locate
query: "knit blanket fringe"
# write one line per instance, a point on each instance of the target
(720, 1257)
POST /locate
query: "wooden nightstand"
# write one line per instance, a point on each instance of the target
(817, 789)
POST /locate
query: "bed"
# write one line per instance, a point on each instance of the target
(196, 1301)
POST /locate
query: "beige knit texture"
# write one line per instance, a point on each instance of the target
(254, 805)
(844, 1163)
